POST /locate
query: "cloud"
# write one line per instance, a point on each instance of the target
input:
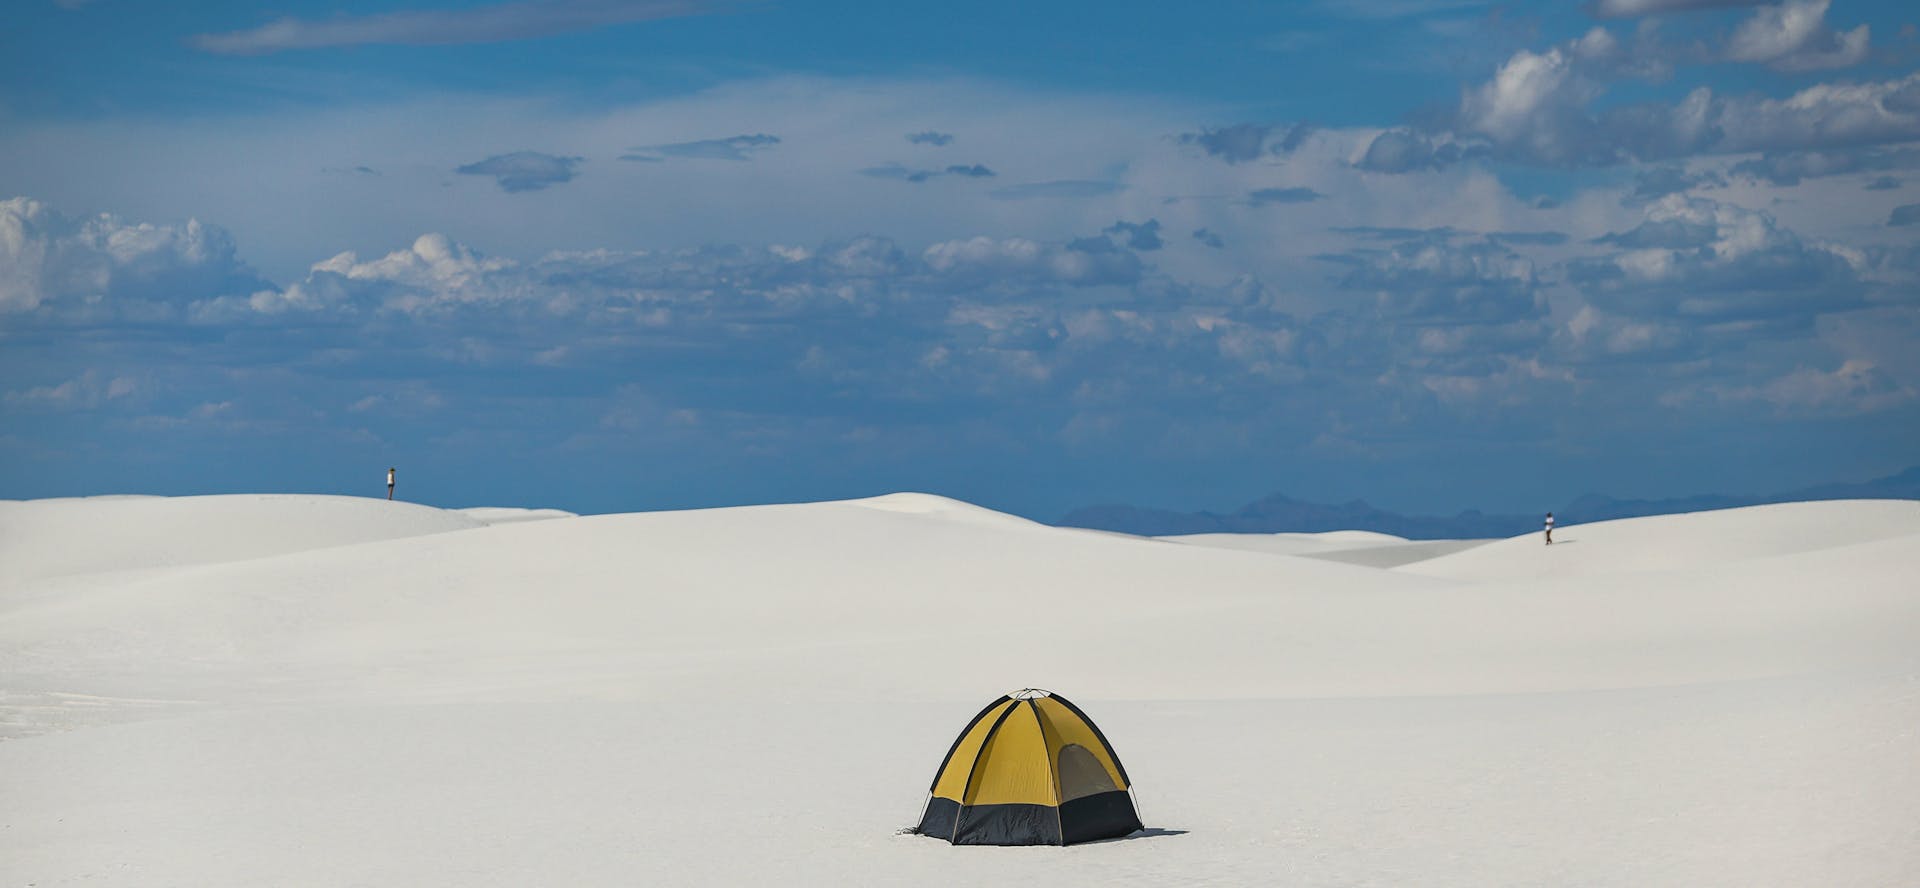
(1058, 188)
(1883, 183)
(1635, 8)
(481, 24)
(1208, 238)
(1140, 236)
(1793, 36)
(524, 170)
(1403, 151)
(83, 392)
(1718, 266)
(1855, 387)
(1657, 182)
(731, 148)
(1269, 196)
(727, 350)
(896, 171)
(79, 268)
(1904, 215)
(1243, 142)
(1791, 167)
(975, 262)
(1437, 281)
(1540, 109)
(930, 137)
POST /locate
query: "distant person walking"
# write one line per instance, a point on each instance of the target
(390, 490)
(1549, 527)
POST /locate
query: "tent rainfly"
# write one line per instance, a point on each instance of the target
(1030, 769)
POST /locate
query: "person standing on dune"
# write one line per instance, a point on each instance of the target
(1549, 528)
(390, 487)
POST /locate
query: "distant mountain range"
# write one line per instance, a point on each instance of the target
(1281, 514)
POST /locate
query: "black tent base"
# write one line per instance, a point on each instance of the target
(1105, 815)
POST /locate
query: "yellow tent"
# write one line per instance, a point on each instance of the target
(1030, 769)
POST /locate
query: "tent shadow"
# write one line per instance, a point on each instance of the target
(1151, 832)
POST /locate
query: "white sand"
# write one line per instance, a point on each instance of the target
(356, 692)
(1362, 547)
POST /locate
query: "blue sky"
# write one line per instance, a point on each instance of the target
(624, 254)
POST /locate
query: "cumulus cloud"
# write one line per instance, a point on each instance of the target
(1660, 181)
(83, 392)
(524, 170)
(1138, 236)
(1208, 238)
(493, 23)
(740, 147)
(1243, 142)
(1856, 386)
(1788, 168)
(1794, 36)
(1702, 262)
(1404, 151)
(1435, 280)
(80, 266)
(981, 260)
(1542, 108)
(1904, 215)
(1882, 183)
(930, 137)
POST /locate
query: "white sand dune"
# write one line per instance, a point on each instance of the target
(509, 515)
(1696, 539)
(1363, 547)
(42, 538)
(761, 694)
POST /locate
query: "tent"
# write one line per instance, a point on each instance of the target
(1030, 769)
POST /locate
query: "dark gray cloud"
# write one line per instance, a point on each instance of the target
(493, 23)
(929, 137)
(1657, 182)
(1138, 236)
(906, 174)
(1243, 142)
(1908, 214)
(1436, 281)
(1061, 188)
(1790, 168)
(1268, 196)
(524, 170)
(1404, 151)
(1883, 183)
(1208, 238)
(730, 148)
(1727, 270)
(1904, 100)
